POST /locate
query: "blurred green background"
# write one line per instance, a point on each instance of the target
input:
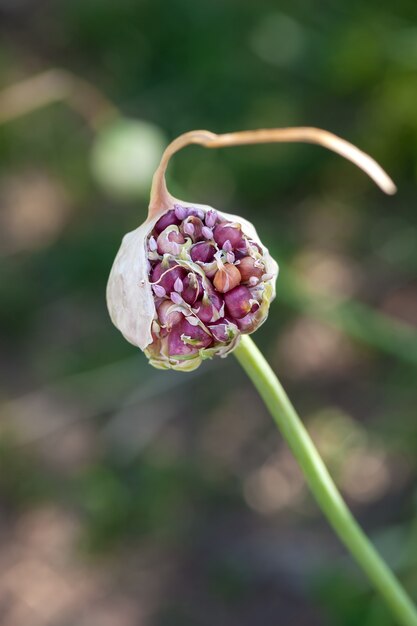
(133, 497)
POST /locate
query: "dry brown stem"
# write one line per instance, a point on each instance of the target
(160, 196)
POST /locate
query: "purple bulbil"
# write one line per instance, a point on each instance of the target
(191, 252)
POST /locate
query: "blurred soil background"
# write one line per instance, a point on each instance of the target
(133, 497)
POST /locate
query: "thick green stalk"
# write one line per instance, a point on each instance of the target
(321, 483)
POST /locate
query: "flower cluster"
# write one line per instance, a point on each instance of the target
(211, 281)
(189, 281)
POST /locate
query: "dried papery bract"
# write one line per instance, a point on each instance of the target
(191, 280)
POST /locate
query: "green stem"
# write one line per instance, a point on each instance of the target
(321, 484)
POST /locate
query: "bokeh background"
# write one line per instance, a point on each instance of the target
(133, 497)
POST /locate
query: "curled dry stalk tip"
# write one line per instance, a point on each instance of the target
(160, 195)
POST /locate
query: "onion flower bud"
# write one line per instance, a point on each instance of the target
(188, 282)
(163, 299)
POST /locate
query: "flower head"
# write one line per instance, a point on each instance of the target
(200, 294)
(201, 272)
(191, 280)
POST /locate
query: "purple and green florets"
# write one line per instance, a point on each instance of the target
(210, 285)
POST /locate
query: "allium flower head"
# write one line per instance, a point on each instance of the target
(203, 278)
(191, 280)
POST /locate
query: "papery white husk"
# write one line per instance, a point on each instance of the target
(130, 299)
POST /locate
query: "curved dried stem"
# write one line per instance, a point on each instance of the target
(160, 195)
